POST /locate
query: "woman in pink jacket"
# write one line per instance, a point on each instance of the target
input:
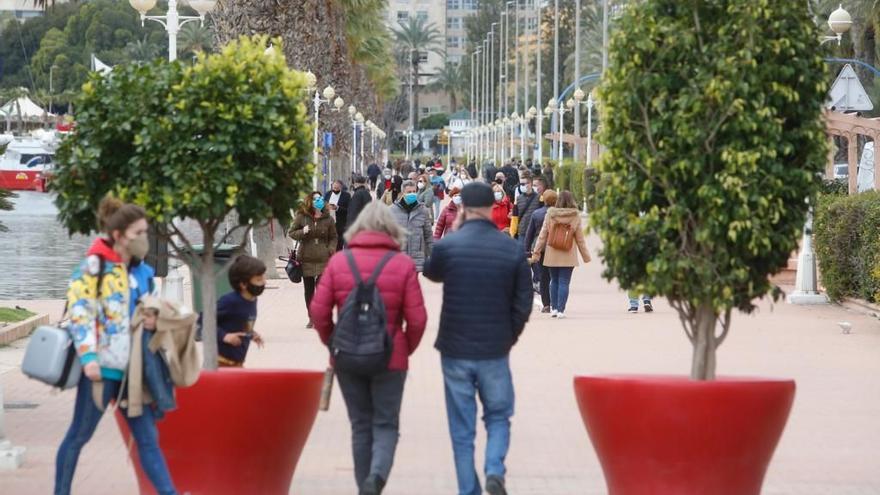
(373, 401)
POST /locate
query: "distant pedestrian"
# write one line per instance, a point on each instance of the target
(337, 200)
(490, 172)
(373, 172)
(526, 203)
(487, 300)
(360, 198)
(438, 185)
(373, 401)
(547, 173)
(389, 188)
(454, 178)
(426, 195)
(447, 217)
(511, 180)
(562, 236)
(502, 209)
(414, 217)
(315, 230)
(532, 232)
(634, 303)
(101, 300)
(472, 170)
(237, 311)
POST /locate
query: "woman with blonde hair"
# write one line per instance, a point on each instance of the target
(373, 401)
(562, 236)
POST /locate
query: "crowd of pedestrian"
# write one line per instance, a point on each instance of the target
(492, 237)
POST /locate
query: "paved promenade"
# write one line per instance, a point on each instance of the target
(831, 445)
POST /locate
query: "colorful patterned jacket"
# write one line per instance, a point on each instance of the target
(101, 330)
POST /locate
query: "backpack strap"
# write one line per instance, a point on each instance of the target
(384, 261)
(355, 272)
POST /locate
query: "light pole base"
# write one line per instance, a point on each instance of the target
(11, 457)
(802, 298)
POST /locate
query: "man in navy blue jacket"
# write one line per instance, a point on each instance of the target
(487, 300)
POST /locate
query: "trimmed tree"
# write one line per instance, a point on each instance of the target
(712, 123)
(229, 133)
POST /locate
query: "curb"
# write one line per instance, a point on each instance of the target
(11, 333)
(863, 307)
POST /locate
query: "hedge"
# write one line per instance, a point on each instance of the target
(847, 237)
(571, 176)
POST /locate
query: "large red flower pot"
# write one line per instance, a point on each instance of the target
(675, 436)
(236, 432)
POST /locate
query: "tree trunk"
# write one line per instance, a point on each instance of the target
(263, 238)
(705, 343)
(415, 98)
(209, 302)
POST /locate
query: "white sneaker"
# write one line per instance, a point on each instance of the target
(553, 313)
(560, 315)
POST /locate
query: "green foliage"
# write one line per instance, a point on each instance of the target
(570, 177)
(436, 121)
(711, 120)
(5, 198)
(847, 233)
(835, 187)
(370, 44)
(15, 315)
(229, 132)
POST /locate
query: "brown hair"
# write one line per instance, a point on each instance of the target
(113, 214)
(550, 197)
(566, 200)
(308, 203)
(525, 174)
(243, 269)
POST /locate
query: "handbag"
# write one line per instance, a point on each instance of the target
(561, 237)
(51, 355)
(294, 266)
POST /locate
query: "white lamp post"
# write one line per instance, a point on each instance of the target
(359, 119)
(590, 129)
(352, 111)
(839, 21)
(172, 21)
(329, 93)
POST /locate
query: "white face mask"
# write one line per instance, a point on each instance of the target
(420, 185)
(499, 195)
(456, 200)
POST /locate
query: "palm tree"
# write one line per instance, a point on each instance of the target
(450, 81)
(195, 38)
(142, 50)
(415, 38)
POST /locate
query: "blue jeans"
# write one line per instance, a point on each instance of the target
(560, 279)
(85, 420)
(463, 380)
(634, 299)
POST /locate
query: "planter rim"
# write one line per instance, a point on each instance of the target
(679, 380)
(262, 371)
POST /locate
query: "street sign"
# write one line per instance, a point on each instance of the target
(847, 94)
(328, 140)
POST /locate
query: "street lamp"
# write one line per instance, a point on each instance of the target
(329, 93)
(839, 21)
(172, 21)
(352, 111)
(359, 118)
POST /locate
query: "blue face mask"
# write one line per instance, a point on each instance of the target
(319, 203)
(410, 198)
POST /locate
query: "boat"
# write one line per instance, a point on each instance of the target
(26, 165)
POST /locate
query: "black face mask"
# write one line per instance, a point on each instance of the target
(255, 290)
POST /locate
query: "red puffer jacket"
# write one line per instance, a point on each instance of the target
(398, 285)
(445, 221)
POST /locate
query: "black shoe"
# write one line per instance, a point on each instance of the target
(495, 485)
(633, 309)
(545, 309)
(373, 485)
(648, 307)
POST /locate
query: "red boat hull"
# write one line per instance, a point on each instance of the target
(22, 180)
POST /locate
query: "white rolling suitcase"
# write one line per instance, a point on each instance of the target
(51, 358)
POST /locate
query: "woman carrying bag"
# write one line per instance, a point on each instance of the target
(562, 236)
(315, 231)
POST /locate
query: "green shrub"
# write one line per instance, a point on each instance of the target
(835, 187)
(570, 176)
(847, 233)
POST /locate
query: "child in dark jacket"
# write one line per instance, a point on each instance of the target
(237, 311)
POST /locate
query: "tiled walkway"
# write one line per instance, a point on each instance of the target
(831, 445)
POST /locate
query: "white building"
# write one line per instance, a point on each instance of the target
(23, 9)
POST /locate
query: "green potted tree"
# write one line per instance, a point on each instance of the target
(229, 132)
(714, 140)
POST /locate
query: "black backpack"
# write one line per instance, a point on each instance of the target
(360, 343)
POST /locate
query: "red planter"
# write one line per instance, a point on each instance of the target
(674, 436)
(236, 431)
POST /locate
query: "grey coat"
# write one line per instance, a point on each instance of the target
(419, 237)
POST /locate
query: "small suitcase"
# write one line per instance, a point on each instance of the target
(51, 358)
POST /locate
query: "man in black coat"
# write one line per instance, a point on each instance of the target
(489, 171)
(359, 199)
(511, 181)
(373, 172)
(487, 300)
(337, 199)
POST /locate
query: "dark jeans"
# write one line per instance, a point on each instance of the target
(373, 404)
(464, 379)
(85, 420)
(560, 279)
(310, 284)
(545, 283)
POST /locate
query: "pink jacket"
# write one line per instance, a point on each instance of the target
(398, 285)
(445, 221)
